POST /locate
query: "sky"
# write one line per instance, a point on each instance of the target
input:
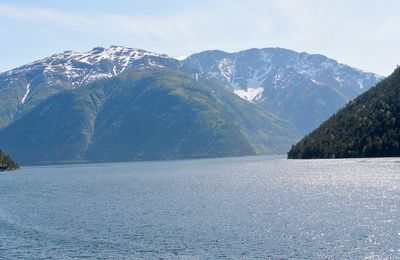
(361, 33)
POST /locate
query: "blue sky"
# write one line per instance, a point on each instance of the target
(361, 33)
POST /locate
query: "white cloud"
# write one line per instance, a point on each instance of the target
(360, 33)
(191, 28)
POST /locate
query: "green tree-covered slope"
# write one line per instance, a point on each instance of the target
(369, 126)
(144, 115)
(6, 163)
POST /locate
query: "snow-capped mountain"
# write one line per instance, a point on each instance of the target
(28, 85)
(273, 67)
(302, 88)
(81, 68)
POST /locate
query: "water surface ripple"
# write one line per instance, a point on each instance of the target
(254, 207)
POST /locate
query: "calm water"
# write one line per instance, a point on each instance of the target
(256, 207)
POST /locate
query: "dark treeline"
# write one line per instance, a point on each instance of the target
(6, 163)
(369, 126)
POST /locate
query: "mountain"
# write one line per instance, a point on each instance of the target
(146, 114)
(369, 126)
(25, 87)
(6, 163)
(302, 88)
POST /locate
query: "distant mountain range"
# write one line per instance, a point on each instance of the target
(302, 88)
(369, 126)
(283, 95)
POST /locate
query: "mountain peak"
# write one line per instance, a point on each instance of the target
(97, 50)
(33, 82)
(279, 79)
(84, 67)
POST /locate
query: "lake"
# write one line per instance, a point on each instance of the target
(240, 208)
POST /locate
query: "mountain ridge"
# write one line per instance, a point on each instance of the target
(28, 85)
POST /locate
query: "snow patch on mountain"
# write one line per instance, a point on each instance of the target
(226, 69)
(250, 94)
(181, 58)
(28, 89)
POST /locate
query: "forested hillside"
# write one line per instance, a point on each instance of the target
(6, 163)
(369, 126)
